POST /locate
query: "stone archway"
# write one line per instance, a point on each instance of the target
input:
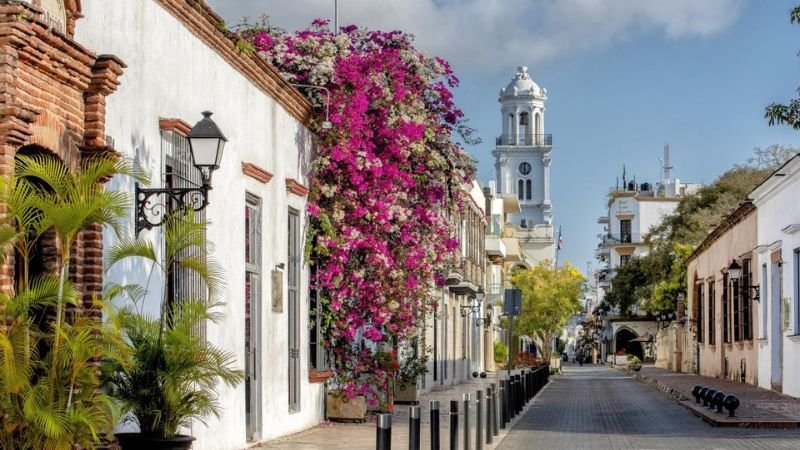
(623, 342)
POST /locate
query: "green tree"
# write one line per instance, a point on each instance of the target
(779, 113)
(50, 394)
(173, 376)
(550, 296)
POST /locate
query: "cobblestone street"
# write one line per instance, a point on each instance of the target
(593, 407)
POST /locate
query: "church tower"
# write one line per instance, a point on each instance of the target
(522, 163)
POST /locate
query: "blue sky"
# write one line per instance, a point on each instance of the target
(623, 77)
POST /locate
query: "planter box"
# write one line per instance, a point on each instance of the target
(319, 377)
(406, 392)
(342, 408)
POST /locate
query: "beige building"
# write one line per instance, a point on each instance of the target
(451, 332)
(723, 316)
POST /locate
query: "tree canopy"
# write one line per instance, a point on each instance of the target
(550, 296)
(789, 114)
(653, 282)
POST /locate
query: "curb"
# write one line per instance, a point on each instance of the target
(703, 413)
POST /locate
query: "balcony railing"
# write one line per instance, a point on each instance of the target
(539, 140)
(622, 238)
(494, 289)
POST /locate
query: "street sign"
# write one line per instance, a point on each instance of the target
(512, 305)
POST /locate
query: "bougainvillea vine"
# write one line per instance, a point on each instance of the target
(386, 180)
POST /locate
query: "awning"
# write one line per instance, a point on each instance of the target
(644, 338)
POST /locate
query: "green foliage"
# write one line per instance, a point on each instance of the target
(550, 296)
(500, 352)
(50, 389)
(789, 114)
(652, 283)
(633, 359)
(174, 372)
(413, 364)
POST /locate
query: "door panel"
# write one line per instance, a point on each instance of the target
(776, 328)
(293, 303)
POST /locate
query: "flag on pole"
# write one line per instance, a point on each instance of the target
(560, 239)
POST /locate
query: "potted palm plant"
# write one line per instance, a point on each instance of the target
(174, 372)
(50, 337)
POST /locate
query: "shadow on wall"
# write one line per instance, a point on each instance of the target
(135, 270)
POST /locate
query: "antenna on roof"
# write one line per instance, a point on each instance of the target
(667, 166)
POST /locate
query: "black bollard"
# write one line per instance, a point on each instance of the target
(731, 403)
(696, 392)
(716, 401)
(503, 412)
(479, 420)
(383, 440)
(435, 425)
(466, 422)
(495, 406)
(413, 427)
(489, 415)
(453, 424)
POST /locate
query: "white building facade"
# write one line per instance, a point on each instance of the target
(182, 66)
(522, 163)
(633, 211)
(777, 258)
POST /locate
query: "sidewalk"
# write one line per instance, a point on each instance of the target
(759, 408)
(330, 435)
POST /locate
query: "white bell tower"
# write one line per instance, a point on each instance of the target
(522, 163)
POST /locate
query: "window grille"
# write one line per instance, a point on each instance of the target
(179, 171)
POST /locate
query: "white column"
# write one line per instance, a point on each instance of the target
(516, 127)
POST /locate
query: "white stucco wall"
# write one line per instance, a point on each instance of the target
(778, 222)
(172, 74)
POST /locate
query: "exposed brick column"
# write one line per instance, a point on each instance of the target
(105, 74)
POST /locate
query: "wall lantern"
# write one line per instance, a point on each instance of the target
(735, 274)
(206, 144)
(476, 306)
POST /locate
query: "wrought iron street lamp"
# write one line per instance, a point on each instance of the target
(735, 274)
(466, 310)
(206, 144)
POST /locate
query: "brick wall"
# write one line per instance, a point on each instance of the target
(52, 99)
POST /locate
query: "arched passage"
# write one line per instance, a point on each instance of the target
(623, 343)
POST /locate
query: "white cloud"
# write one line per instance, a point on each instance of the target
(491, 35)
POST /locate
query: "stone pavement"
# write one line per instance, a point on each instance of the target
(594, 407)
(760, 408)
(331, 435)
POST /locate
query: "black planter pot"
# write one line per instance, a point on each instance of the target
(136, 441)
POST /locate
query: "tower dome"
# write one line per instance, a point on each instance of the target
(522, 84)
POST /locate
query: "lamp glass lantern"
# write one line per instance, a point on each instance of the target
(207, 144)
(734, 271)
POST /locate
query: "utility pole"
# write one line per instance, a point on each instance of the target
(335, 17)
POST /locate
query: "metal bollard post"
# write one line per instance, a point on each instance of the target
(511, 409)
(413, 427)
(524, 380)
(530, 386)
(453, 424)
(520, 394)
(383, 433)
(479, 420)
(435, 425)
(489, 410)
(466, 422)
(503, 406)
(495, 414)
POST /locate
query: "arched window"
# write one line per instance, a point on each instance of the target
(524, 127)
(521, 190)
(528, 190)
